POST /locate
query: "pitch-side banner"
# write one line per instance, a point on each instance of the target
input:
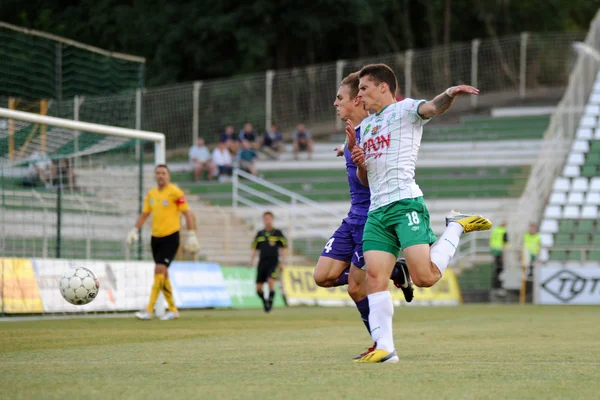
(300, 288)
(563, 286)
(18, 287)
(198, 285)
(123, 285)
(241, 285)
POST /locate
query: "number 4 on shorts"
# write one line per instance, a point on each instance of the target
(329, 245)
(413, 218)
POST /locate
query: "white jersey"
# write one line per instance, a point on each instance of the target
(391, 141)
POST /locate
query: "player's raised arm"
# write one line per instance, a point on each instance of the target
(442, 102)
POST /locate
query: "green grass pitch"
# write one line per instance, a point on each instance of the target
(466, 352)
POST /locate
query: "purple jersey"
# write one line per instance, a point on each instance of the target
(360, 196)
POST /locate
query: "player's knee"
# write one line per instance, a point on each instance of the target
(321, 278)
(356, 291)
(424, 279)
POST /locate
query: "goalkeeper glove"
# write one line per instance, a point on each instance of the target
(133, 236)
(191, 242)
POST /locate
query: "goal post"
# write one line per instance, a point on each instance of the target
(157, 138)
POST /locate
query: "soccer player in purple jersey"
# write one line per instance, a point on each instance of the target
(342, 262)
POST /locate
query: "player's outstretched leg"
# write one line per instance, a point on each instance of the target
(456, 225)
(167, 290)
(357, 290)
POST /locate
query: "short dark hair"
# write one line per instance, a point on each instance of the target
(352, 82)
(268, 213)
(380, 73)
(162, 166)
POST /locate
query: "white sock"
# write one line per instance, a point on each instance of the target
(380, 319)
(443, 250)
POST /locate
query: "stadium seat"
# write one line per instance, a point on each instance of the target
(580, 185)
(575, 255)
(575, 198)
(571, 171)
(585, 133)
(562, 185)
(595, 98)
(595, 184)
(549, 226)
(580, 146)
(546, 239)
(567, 226)
(593, 255)
(592, 198)
(562, 239)
(596, 240)
(589, 212)
(558, 198)
(543, 255)
(588, 121)
(558, 255)
(576, 159)
(585, 226)
(552, 212)
(581, 239)
(572, 212)
(592, 110)
(596, 134)
(589, 171)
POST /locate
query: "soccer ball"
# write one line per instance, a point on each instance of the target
(79, 286)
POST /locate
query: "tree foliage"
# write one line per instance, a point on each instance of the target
(187, 40)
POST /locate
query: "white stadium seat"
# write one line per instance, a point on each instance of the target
(571, 212)
(597, 134)
(597, 86)
(558, 198)
(549, 226)
(585, 133)
(561, 185)
(595, 184)
(588, 122)
(579, 185)
(547, 239)
(592, 110)
(544, 256)
(592, 199)
(571, 171)
(590, 212)
(595, 98)
(575, 198)
(552, 212)
(580, 146)
(576, 159)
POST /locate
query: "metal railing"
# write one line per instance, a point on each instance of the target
(301, 213)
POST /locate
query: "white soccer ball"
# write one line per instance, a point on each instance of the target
(79, 286)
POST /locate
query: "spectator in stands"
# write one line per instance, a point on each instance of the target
(248, 134)
(532, 243)
(232, 141)
(221, 157)
(41, 168)
(498, 241)
(66, 174)
(272, 143)
(302, 141)
(246, 156)
(200, 160)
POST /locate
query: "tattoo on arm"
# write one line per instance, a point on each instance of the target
(442, 101)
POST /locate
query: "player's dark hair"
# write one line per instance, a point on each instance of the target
(352, 82)
(380, 73)
(162, 166)
(268, 213)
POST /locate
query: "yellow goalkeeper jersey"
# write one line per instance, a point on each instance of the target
(165, 206)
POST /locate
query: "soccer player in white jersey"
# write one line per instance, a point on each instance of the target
(398, 218)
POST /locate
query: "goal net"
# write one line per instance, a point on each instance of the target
(69, 193)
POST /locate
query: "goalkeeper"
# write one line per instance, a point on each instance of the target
(164, 202)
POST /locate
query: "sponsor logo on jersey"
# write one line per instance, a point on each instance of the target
(165, 203)
(375, 147)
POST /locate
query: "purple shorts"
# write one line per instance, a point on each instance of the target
(346, 244)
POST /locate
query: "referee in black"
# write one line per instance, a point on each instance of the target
(272, 246)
